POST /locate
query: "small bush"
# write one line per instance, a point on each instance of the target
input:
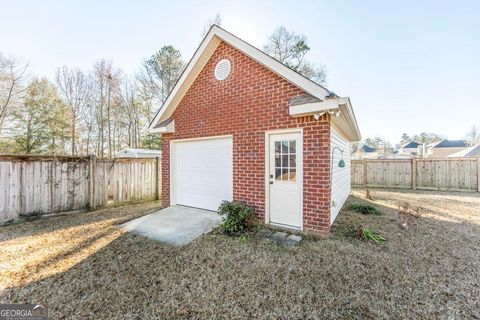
(364, 208)
(236, 216)
(369, 234)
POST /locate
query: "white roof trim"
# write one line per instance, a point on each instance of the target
(347, 116)
(345, 121)
(308, 109)
(205, 51)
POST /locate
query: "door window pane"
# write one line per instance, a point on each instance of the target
(285, 161)
(293, 161)
(277, 161)
(277, 147)
(293, 175)
(292, 146)
(284, 146)
(285, 174)
(278, 174)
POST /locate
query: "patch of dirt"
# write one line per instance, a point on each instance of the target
(82, 266)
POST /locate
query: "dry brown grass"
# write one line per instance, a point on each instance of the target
(82, 267)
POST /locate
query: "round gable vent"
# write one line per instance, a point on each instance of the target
(222, 69)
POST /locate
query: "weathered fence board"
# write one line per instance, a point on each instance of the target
(38, 185)
(125, 180)
(456, 174)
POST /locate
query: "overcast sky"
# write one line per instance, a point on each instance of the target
(408, 66)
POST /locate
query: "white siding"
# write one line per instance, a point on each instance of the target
(340, 176)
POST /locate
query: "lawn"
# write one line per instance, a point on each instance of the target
(83, 267)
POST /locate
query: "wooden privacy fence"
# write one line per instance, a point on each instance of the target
(456, 174)
(32, 185)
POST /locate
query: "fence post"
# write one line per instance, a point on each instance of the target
(53, 167)
(22, 205)
(414, 173)
(478, 174)
(92, 164)
(158, 177)
(365, 173)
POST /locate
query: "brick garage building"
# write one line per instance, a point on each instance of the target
(240, 125)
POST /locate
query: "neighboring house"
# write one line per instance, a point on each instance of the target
(409, 148)
(364, 152)
(138, 153)
(445, 148)
(239, 125)
(470, 152)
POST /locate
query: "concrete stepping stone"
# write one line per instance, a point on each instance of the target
(264, 234)
(292, 240)
(279, 237)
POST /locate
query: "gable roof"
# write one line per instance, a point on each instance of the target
(367, 149)
(450, 144)
(216, 35)
(467, 152)
(410, 145)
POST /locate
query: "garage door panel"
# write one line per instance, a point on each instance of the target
(203, 172)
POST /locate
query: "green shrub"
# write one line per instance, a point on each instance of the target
(369, 234)
(364, 208)
(236, 216)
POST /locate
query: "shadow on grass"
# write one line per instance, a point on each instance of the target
(429, 270)
(39, 226)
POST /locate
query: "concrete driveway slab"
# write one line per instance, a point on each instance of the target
(175, 225)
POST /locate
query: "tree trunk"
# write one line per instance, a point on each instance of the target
(73, 136)
(109, 125)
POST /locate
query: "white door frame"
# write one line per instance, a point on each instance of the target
(173, 189)
(267, 169)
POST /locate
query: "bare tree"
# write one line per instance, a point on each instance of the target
(473, 136)
(216, 20)
(290, 49)
(134, 111)
(75, 90)
(105, 87)
(12, 76)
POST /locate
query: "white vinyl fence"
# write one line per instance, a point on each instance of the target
(31, 185)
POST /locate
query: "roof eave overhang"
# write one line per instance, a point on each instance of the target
(345, 120)
(168, 128)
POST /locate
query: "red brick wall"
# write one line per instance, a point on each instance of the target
(249, 102)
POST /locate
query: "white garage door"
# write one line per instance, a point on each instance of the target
(202, 172)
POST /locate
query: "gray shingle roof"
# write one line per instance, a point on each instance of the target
(163, 123)
(411, 144)
(451, 144)
(467, 152)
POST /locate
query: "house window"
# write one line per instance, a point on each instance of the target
(285, 160)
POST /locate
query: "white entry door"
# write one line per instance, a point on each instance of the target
(202, 172)
(285, 179)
